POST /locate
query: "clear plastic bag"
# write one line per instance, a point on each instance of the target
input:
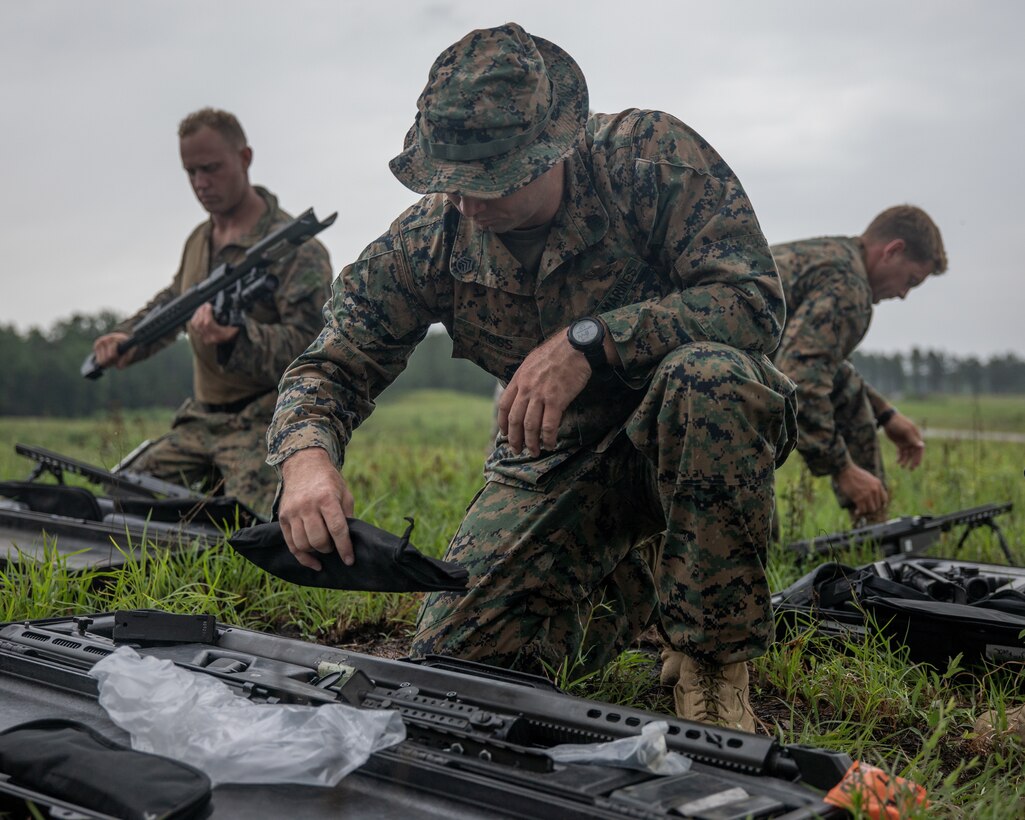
(197, 719)
(647, 752)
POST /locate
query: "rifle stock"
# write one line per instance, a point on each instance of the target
(170, 317)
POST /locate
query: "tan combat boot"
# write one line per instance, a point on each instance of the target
(709, 693)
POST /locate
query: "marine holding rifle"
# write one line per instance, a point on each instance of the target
(218, 435)
(610, 270)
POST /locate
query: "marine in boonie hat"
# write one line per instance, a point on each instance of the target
(499, 109)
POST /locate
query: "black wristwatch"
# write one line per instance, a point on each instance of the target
(588, 336)
(883, 418)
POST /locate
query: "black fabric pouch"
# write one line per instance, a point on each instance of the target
(384, 562)
(72, 762)
(53, 499)
(220, 511)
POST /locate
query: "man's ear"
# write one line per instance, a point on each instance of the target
(893, 248)
(246, 155)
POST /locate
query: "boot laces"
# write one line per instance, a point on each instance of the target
(712, 682)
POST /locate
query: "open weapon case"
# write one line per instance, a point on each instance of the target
(86, 529)
(937, 607)
(475, 734)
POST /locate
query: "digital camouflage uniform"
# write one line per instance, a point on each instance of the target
(829, 307)
(220, 433)
(656, 236)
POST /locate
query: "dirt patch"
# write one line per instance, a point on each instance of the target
(379, 639)
(371, 639)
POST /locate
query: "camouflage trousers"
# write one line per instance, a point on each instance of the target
(223, 453)
(856, 424)
(668, 524)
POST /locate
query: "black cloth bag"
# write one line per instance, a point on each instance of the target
(73, 763)
(933, 630)
(53, 499)
(384, 562)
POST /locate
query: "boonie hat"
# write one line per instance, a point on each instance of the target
(499, 109)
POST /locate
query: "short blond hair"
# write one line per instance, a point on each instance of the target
(922, 240)
(225, 124)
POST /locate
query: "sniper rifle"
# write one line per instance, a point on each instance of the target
(474, 733)
(120, 483)
(909, 533)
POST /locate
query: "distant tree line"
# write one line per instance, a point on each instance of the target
(930, 372)
(40, 372)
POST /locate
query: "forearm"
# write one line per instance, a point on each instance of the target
(739, 316)
(820, 445)
(128, 325)
(879, 402)
(327, 392)
(311, 412)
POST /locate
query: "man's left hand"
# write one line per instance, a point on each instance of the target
(531, 407)
(910, 445)
(205, 327)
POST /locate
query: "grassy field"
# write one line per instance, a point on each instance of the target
(421, 456)
(994, 414)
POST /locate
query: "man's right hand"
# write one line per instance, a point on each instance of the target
(864, 489)
(105, 351)
(315, 502)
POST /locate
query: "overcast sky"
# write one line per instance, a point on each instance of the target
(828, 112)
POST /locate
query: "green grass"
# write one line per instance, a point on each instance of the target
(421, 456)
(994, 414)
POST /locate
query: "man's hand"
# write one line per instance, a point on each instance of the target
(315, 501)
(864, 489)
(531, 407)
(206, 328)
(105, 351)
(910, 445)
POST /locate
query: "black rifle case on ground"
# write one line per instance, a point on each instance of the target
(475, 734)
(937, 607)
(39, 518)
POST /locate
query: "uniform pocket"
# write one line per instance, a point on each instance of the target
(496, 353)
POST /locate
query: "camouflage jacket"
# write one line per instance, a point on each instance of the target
(829, 307)
(276, 330)
(655, 234)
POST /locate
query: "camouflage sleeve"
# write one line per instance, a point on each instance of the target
(373, 321)
(140, 352)
(819, 334)
(263, 350)
(878, 401)
(692, 219)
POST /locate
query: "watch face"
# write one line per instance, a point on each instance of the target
(585, 331)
